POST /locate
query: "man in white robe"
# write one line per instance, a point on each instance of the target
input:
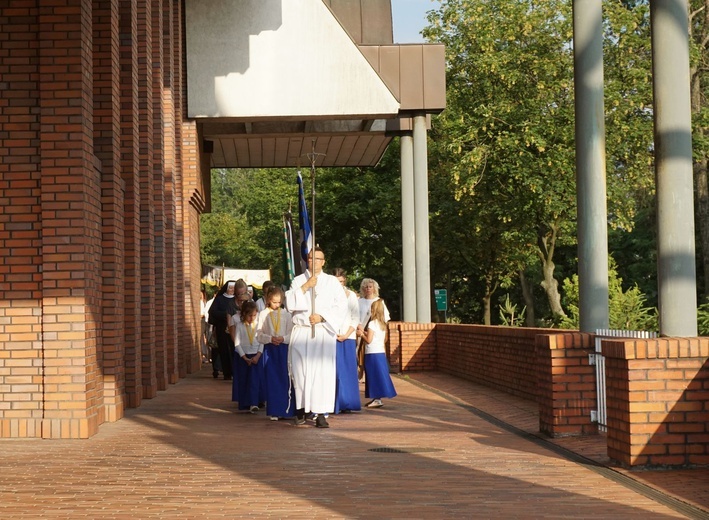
(312, 359)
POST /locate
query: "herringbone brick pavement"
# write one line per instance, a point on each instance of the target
(443, 448)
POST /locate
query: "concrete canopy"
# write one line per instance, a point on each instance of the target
(270, 79)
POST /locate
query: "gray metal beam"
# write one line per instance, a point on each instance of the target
(423, 262)
(590, 166)
(408, 230)
(676, 269)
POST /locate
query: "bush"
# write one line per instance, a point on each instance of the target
(627, 310)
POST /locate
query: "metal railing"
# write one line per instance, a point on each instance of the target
(599, 415)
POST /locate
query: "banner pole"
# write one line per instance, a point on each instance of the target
(313, 157)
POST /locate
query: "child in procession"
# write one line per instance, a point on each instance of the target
(274, 328)
(378, 383)
(248, 362)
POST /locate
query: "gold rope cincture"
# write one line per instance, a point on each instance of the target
(276, 322)
(250, 332)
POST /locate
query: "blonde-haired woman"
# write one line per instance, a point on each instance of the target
(368, 293)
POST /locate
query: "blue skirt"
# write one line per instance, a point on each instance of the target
(277, 381)
(246, 386)
(346, 383)
(377, 383)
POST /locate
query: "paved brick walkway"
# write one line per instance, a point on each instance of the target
(467, 453)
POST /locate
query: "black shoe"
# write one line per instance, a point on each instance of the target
(321, 422)
(215, 375)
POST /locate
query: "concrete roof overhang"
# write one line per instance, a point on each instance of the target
(271, 80)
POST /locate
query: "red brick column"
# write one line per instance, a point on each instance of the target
(21, 384)
(158, 179)
(190, 358)
(131, 173)
(567, 384)
(194, 168)
(185, 144)
(71, 223)
(107, 147)
(172, 114)
(658, 401)
(146, 136)
(393, 346)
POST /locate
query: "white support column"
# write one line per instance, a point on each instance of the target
(590, 166)
(676, 270)
(408, 231)
(423, 265)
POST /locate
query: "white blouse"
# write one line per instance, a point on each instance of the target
(376, 346)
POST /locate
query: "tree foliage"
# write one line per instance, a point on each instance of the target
(628, 309)
(505, 145)
(506, 137)
(244, 229)
(357, 220)
(502, 177)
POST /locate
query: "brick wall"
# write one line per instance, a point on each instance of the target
(658, 401)
(413, 345)
(566, 384)
(98, 281)
(503, 357)
(657, 389)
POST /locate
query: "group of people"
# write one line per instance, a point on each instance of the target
(295, 352)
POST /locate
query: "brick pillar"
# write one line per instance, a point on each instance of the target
(107, 147)
(567, 384)
(658, 401)
(194, 168)
(21, 354)
(130, 170)
(194, 193)
(182, 145)
(171, 163)
(71, 223)
(159, 161)
(394, 346)
(147, 209)
(417, 346)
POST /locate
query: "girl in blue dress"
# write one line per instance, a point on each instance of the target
(377, 383)
(248, 362)
(274, 328)
(347, 397)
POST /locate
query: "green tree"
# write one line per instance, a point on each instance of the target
(507, 133)
(627, 308)
(699, 77)
(358, 223)
(357, 217)
(507, 138)
(244, 229)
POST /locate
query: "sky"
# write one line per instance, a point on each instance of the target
(409, 17)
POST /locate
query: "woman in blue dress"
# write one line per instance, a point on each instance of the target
(347, 383)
